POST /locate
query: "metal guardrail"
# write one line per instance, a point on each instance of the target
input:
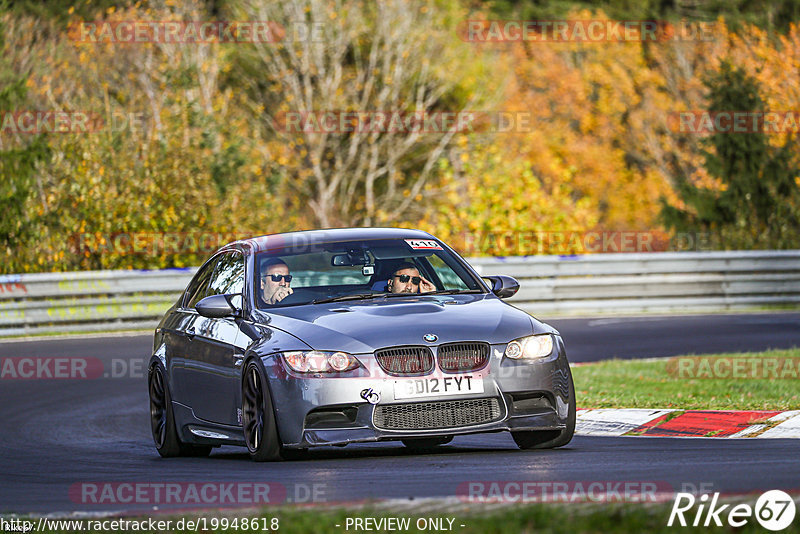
(550, 285)
(651, 282)
(90, 300)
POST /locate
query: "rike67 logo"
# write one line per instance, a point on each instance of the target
(774, 510)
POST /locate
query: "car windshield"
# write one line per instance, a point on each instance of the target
(358, 270)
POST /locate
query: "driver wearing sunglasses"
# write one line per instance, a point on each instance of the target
(275, 281)
(406, 279)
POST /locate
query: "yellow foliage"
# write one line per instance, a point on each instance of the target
(597, 152)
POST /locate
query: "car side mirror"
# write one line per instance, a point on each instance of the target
(502, 286)
(217, 306)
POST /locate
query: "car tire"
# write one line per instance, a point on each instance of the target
(258, 417)
(548, 439)
(162, 420)
(426, 443)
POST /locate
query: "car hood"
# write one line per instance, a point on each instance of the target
(363, 326)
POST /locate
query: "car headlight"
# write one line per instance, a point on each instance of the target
(315, 361)
(537, 346)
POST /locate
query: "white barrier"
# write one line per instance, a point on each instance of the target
(90, 300)
(651, 282)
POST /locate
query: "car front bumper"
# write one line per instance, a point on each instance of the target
(525, 395)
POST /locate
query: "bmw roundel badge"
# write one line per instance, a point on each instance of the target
(430, 338)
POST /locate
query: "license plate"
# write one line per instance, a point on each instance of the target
(434, 387)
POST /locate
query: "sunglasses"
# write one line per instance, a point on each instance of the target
(277, 277)
(405, 278)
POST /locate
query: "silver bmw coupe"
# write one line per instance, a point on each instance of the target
(290, 341)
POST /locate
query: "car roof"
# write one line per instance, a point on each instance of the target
(332, 235)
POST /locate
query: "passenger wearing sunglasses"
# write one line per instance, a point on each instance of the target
(406, 279)
(275, 281)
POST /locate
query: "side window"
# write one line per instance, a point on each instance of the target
(449, 278)
(199, 285)
(228, 276)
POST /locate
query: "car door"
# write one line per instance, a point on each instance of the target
(212, 373)
(180, 328)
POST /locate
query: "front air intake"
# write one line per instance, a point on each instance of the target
(461, 357)
(405, 361)
(436, 415)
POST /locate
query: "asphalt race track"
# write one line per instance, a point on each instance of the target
(590, 340)
(58, 434)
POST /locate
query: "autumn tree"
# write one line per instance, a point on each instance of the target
(177, 152)
(758, 205)
(772, 15)
(389, 56)
(21, 156)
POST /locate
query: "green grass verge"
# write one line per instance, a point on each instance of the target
(652, 384)
(575, 518)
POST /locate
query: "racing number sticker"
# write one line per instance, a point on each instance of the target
(423, 244)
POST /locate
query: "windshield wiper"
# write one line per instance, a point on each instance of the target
(453, 292)
(355, 296)
(364, 296)
(442, 292)
(390, 295)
